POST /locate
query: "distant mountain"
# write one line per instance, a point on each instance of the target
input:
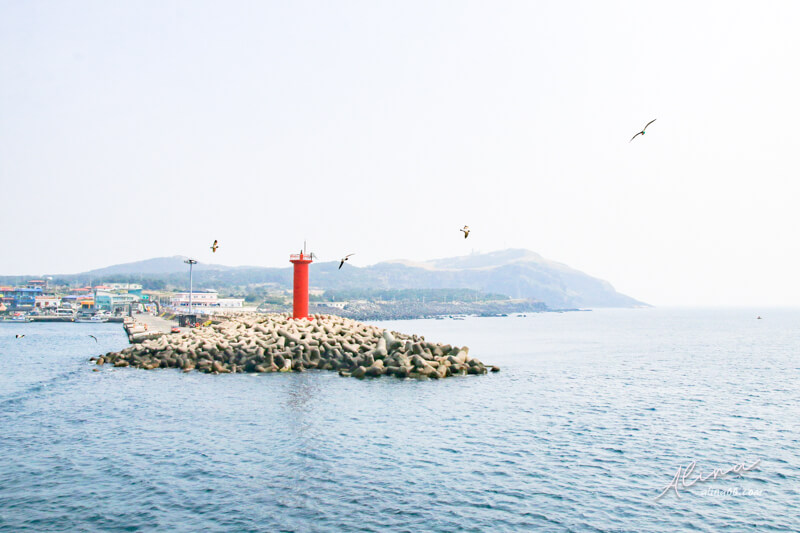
(157, 265)
(514, 272)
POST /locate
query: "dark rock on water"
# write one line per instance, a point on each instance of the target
(277, 343)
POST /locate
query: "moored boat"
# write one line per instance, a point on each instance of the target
(96, 319)
(18, 317)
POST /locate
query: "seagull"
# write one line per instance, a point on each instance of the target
(214, 246)
(19, 336)
(95, 338)
(341, 263)
(465, 229)
(642, 132)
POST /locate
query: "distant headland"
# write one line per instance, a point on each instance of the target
(488, 284)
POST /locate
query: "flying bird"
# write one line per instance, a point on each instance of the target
(341, 263)
(465, 229)
(214, 246)
(642, 132)
(19, 336)
(95, 338)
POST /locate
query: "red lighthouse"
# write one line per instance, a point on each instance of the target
(301, 262)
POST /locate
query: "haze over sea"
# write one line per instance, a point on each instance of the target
(588, 420)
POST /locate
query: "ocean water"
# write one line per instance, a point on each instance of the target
(587, 422)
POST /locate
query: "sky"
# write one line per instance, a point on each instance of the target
(131, 130)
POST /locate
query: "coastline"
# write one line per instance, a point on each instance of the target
(408, 310)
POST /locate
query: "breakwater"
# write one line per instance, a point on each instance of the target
(277, 343)
(409, 310)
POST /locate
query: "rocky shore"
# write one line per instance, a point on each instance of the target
(409, 310)
(278, 343)
(415, 310)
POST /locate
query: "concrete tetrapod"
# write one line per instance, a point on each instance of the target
(278, 343)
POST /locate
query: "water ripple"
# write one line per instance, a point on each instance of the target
(588, 420)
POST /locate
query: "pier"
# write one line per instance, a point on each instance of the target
(146, 326)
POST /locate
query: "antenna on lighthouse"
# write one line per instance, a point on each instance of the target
(304, 246)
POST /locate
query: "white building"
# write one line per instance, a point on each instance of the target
(337, 305)
(45, 302)
(230, 303)
(123, 286)
(205, 301)
(200, 298)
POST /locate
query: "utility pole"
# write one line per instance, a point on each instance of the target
(190, 262)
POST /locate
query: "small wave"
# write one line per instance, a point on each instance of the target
(41, 386)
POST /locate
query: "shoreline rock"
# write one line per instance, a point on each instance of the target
(277, 343)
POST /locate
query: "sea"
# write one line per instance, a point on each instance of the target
(588, 422)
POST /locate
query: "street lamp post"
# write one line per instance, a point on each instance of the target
(190, 262)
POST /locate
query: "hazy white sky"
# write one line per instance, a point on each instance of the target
(143, 129)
